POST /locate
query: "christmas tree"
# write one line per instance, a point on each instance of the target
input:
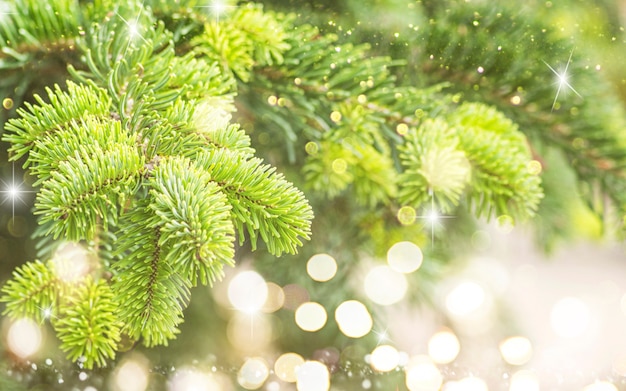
(220, 196)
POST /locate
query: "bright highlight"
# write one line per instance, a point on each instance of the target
(321, 267)
(253, 374)
(405, 257)
(247, 291)
(385, 358)
(353, 318)
(312, 376)
(385, 286)
(311, 316)
(286, 366)
(24, 338)
(443, 347)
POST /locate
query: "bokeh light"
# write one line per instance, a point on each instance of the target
(443, 347)
(131, 374)
(385, 286)
(601, 386)
(287, 365)
(312, 376)
(422, 375)
(249, 332)
(7, 103)
(405, 257)
(275, 298)
(353, 319)
(524, 380)
(472, 383)
(191, 379)
(24, 338)
(253, 374)
(321, 267)
(570, 317)
(247, 291)
(385, 358)
(71, 262)
(406, 215)
(295, 295)
(311, 316)
(464, 299)
(516, 350)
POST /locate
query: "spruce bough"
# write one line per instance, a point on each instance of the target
(135, 155)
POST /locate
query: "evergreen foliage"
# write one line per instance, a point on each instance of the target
(135, 155)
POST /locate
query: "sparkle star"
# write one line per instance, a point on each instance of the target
(562, 80)
(13, 191)
(5, 9)
(433, 217)
(133, 27)
(217, 8)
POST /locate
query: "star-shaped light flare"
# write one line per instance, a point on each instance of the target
(217, 8)
(562, 80)
(5, 9)
(433, 217)
(133, 27)
(13, 191)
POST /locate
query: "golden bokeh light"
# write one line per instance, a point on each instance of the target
(247, 291)
(422, 375)
(464, 299)
(406, 215)
(132, 374)
(24, 338)
(405, 257)
(253, 374)
(353, 319)
(311, 316)
(443, 347)
(192, 379)
(312, 376)
(287, 365)
(71, 262)
(275, 298)
(384, 358)
(516, 350)
(249, 332)
(321, 267)
(385, 286)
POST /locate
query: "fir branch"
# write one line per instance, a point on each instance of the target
(142, 277)
(32, 292)
(248, 38)
(194, 221)
(87, 137)
(434, 165)
(263, 202)
(87, 325)
(87, 190)
(37, 121)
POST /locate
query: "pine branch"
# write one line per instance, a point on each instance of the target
(44, 119)
(435, 164)
(88, 191)
(87, 325)
(142, 277)
(194, 223)
(32, 292)
(249, 38)
(263, 202)
(87, 138)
